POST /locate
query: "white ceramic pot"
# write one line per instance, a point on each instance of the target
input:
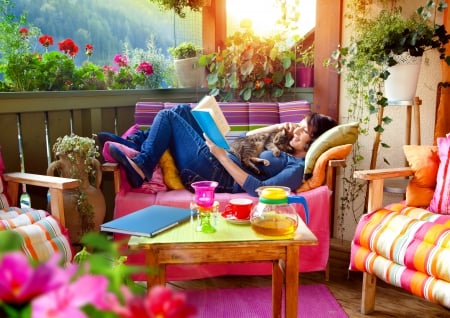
(401, 84)
(189, 73)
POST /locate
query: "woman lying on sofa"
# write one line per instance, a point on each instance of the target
(198, 158)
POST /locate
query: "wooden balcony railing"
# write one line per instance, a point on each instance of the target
(41, 117)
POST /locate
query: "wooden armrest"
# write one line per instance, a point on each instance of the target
(56, 186)
(376, 182)
(377, 174)
(114, 168)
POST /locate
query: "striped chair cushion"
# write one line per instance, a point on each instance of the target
(407, 247)
(42, 234)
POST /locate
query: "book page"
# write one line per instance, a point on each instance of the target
(209, 103)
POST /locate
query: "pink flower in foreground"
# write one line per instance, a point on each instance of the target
(20, 282)
(145, 68)
(121, 60)
(68, 300)
(159, 302)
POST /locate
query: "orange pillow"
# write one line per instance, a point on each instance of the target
(320, 167)
(424, 161)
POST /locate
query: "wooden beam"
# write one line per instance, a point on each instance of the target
(214, 26)
(327, 38)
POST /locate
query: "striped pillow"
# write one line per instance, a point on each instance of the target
(3, 198)
(441, 198)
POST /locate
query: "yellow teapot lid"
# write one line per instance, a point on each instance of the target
(273, 195)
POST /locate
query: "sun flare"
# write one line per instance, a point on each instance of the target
(264, 13)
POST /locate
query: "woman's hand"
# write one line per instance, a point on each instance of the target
(221, 155)
(217, 151)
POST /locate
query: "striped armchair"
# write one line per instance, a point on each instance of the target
(407, 244)
(43, 233)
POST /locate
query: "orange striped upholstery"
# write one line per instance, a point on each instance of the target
(42, 234)
(407, 247)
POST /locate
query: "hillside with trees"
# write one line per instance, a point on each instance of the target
(106, 24)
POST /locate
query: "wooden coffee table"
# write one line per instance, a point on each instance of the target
(231, 243)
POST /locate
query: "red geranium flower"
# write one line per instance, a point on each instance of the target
(267, 80)
(23, 32)
(89, 49)
(45, 40)
(68, 46)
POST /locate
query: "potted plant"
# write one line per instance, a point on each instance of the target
(249, 67)
(77, 158)
(187, 69)
(304, 65)
(179, 5)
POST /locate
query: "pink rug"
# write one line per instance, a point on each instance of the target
(315, 301)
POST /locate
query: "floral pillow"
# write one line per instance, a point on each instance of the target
(441, 197)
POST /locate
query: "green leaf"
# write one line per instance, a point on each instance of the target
(289, 80)
(384, 145)
(10, 241)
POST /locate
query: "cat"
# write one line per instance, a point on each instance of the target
(248, 148)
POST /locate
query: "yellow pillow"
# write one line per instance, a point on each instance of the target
(424, 161)
(336, 136)
(320, 168)
(170, 172)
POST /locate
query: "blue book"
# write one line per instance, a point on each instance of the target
(148, 222)
(212, 121)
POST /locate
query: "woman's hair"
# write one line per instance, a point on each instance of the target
(317, 125)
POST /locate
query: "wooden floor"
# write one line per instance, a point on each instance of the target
(345, 286)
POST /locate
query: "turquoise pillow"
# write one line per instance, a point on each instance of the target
(336, 136)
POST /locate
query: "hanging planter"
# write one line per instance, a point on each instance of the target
(401, 84)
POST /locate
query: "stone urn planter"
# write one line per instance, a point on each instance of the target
(84, 207)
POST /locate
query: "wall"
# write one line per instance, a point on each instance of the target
(394, 134)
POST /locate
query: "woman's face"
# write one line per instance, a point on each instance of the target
(300, 139)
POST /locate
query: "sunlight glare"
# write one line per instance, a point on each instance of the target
(264, 14)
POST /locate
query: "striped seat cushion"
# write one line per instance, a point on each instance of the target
(407, 247)
(42, 234)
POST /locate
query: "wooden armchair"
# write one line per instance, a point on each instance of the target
(43, 234)
(56, 186)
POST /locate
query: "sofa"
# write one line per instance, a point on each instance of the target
(164, 189)
(407, 244)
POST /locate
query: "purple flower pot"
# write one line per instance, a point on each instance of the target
(304, 76)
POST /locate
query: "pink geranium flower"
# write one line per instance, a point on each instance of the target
(121, 60)
(68, 300)
(20, 282)
(145, 68)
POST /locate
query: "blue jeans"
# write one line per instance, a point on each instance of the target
(177, 130)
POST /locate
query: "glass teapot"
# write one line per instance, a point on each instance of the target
(274, 214)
